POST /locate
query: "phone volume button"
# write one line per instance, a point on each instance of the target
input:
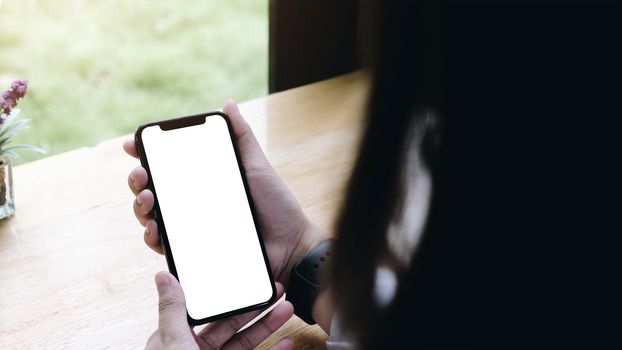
(155, 215)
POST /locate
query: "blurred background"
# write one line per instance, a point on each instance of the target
(97, 69)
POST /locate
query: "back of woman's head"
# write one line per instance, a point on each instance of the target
(488, 88)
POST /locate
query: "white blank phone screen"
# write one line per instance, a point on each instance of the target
(207, 217)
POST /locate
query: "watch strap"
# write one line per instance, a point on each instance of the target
(306, 280)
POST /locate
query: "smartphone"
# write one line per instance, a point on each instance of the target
(205, 214)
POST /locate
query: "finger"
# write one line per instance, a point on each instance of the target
(172, 305)
(130, 148)
(251, 154)
(152, 237)
(262, 329)
(137, 180)
(218, 333)
(286, 343)
(143, 204)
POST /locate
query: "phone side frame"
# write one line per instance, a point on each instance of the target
(160, 221)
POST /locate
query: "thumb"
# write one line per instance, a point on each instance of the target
(172, 304)
(251, 154)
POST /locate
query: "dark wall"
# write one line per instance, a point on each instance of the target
(311, 40)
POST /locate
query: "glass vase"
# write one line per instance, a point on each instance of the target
(7, 202)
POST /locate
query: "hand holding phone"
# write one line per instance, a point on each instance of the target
(287, 233)
(173, 331)
(205, 216)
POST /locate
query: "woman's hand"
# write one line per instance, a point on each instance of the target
(174, 333)
(287, 233)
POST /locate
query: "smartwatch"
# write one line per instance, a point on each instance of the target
(306, 280)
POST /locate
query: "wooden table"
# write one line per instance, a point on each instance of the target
(74, 271)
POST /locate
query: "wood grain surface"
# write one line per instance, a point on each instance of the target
(74, 270)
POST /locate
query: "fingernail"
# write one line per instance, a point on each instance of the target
(132, 177)
(138, 201)
(162, 279)
(147, 232)
(287, 340)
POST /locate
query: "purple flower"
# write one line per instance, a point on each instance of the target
(19, 87)
(10, 97)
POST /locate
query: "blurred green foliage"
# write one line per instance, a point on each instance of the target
(97, 69)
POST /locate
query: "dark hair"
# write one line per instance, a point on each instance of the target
(488, 270)
(398, 97)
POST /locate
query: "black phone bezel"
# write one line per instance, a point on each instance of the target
(189, 121)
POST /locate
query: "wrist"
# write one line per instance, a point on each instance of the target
(312, 236)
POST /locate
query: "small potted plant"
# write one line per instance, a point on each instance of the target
(9, 127)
